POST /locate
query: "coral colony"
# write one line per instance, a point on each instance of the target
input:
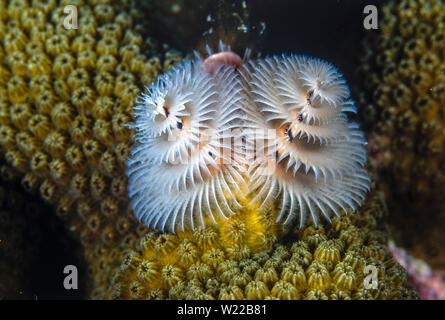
(239, 150)
(212, 133)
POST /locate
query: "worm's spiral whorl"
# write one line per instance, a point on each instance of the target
(310, 157)
(181, 170)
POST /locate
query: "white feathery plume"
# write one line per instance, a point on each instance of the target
(181, 167)
(314, 160)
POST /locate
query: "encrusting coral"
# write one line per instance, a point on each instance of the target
(314, 263)
(65, 101)
(403, 67)
(406, 86)
(66, 97)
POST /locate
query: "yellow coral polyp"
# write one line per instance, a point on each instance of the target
(4, 76)
(266, 275)
(30, 182)
(122, 225)
(16, 7)
(87, 59)
(56, 143)
(42, 32)
(108, 164)
(17, 89)
(4, 113)
(103, 131)
(17, 62)
(48, 190)
(63, 65)
(56, 44)
(110, 207)
(78, 78)
(39, 84)
(103, 108)
(46, 6)
(256, 290)
(198, 271)
(83, 43)
(213, 257)
(328, 251)
(79, 185)
(125, 20)
(39, 164)
(122, 82)
(82, 98)
(111, 30)
(32, 17)
(93, 222)
(108, 234)
(128, 52)
(75, 157)
(137, 63)
(15, 40)
(294, 274)
(16, 160)
(98, 184)
(316, 295)
(104, 83)
(318, 276)
(59, 171)
(106, 63)
(122, 152)
(344, 277)
(231, 293)
(108, 45)
(148, 271)
(171, 275)
(104, 12)
(45, 101)
(26, 143)
(81, 129)
(92, 150)
(187, 253)
(20, 113)
(62, 115)
(39, 64)
(285, 291)
(128, 94)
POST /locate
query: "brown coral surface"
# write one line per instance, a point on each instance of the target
(403, 68)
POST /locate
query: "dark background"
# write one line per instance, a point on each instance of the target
(328, 29)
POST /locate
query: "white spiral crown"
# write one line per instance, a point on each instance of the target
(314, 159)
(182, 167)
